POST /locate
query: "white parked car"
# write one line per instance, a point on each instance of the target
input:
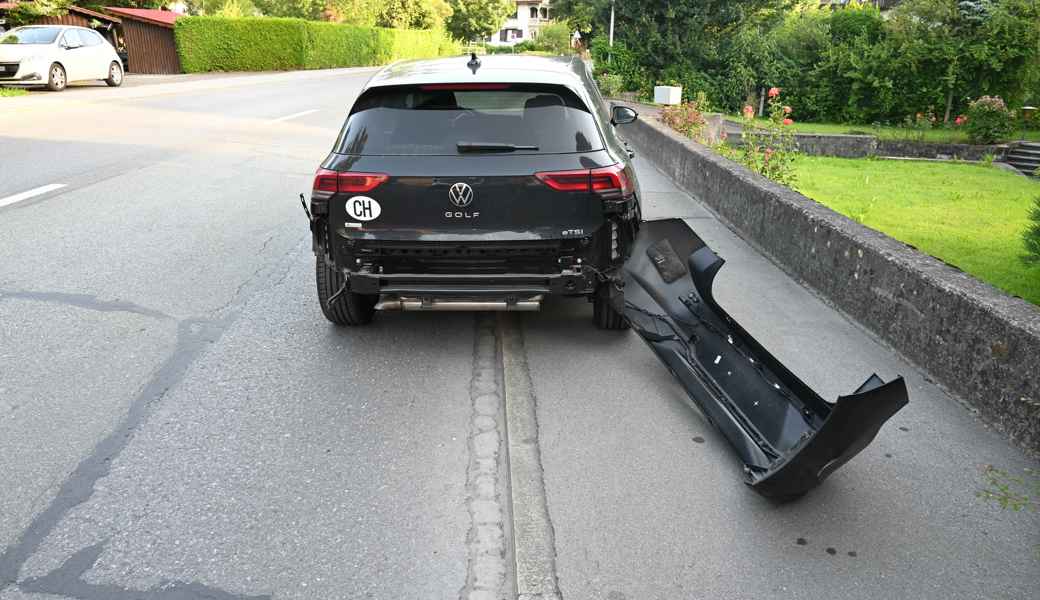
(56, 55)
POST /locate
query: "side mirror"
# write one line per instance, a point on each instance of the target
(622, 115)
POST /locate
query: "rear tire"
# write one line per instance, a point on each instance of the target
(56, 78)
(350, 309)
(603, 312)
(115, 75)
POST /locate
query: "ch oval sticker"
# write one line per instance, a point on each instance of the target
(363, 208)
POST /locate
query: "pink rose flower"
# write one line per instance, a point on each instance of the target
(787, 110)
(774, 92)
(788, 122)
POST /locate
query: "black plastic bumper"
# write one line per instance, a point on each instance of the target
(788, 437)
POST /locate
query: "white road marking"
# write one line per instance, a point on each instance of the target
(43, 189)
(294, 115)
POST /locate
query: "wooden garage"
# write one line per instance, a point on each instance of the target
(106, 25)
(148, 35)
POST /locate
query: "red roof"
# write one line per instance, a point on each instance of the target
(164, 18)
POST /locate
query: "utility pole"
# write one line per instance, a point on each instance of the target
(610, 57)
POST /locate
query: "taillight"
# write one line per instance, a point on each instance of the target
(566, 181)
(331, 182)
(610, 181)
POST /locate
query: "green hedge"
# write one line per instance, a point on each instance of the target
(274, 44)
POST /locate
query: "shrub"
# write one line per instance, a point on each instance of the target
(769, 149)
(686, 118)
(1032, 235)
(240, 44)
(610, 85)
(276, 44)
(331, 45)
(554, 37)
(989, 120)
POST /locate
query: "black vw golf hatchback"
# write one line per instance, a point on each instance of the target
(475, 184)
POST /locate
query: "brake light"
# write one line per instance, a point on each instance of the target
(566, 181)
(607, 181)
(612, 180)
(332, 182)
(464, 87)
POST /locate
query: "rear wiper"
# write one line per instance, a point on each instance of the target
(491, 147)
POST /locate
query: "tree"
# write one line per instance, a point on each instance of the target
(25, 13)
(586, 16)
(301, 9)
(413, 14)
(477, 19)
(971, 47)
(355, 12)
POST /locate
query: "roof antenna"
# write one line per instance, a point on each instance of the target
(474, 62)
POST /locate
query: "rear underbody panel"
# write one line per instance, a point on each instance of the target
(788, 437)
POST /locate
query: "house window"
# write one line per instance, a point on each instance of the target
(534, 12)
(545, 12)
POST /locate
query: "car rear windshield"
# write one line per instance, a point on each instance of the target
(31, 35)
(469, 118)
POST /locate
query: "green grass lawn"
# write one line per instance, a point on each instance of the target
(969, 215)
(6, 92)
(892, 133)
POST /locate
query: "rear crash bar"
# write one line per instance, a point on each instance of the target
(395, 303)
(788, 437)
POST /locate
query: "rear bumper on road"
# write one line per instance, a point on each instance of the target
(788, 437)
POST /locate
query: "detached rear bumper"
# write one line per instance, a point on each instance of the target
(788, 437)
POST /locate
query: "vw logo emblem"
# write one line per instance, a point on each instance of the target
(461, 195)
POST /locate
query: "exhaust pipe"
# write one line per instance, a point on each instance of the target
(448, 305)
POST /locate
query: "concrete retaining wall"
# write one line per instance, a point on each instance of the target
(979, 343)
(844, 146)
(861, 146)
(943, 151)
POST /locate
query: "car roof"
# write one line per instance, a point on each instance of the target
(498, 68)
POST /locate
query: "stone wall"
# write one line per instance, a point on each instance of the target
(979, 343)
(862, 146)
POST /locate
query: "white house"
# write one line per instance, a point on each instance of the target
(522, 26)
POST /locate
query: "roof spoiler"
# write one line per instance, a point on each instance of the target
(788, 437)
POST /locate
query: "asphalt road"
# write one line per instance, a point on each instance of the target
(177, 420)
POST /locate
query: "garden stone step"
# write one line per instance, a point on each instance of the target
(1015, 160)
(1024, 152)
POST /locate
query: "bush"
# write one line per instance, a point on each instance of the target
(685, 118)
(1032, 235)
(276, 44)
(240, 44)
(554, 37)
(989, 120)
(610, 85)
